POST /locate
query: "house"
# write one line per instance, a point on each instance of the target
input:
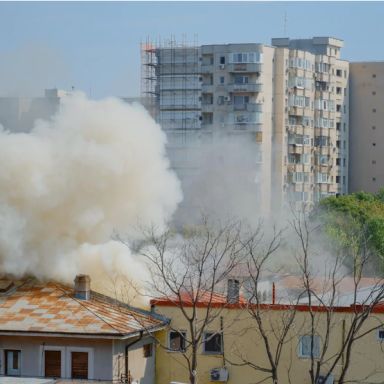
(49, 329)
(232, 349)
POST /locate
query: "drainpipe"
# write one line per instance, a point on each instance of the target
(126, 353)
(273, 293)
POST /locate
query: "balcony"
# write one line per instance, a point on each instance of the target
(248, 87)
(206, 68)
(249, 107)
(207, 88)
(250, 127)
(206, 107)
(245, 67)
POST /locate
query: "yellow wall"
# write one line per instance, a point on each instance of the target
(240, 335)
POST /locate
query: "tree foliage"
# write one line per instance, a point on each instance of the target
(350, 219)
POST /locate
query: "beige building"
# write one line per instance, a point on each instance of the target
(288, 101)
(232, 338)
(367, 129)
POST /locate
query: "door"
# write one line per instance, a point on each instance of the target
(52, 363)
(12, 363)
(79, 365)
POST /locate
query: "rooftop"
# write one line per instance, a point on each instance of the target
(50, 308)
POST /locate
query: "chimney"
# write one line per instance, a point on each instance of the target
(233, 291)
(83, 287)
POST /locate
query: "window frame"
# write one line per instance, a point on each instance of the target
(300, 347)
(213, 334)
(183, 334)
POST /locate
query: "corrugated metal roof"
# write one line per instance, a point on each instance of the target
(51, 307)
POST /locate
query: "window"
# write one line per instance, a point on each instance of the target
(373, 178)
(373, 127)
(147, 350)
(52, 363)
(177, 341)
(338, 108)
(212, 342)
(338, 179)
(246, 57)
(338, 161)
(222, 59)
(374, 144)
(338, 126)
(339, 72)
(373, 161)
(12, 363)
(380, 334)
(241, 79)
(373, 93)
(222, 79)
(373, 75)
(338, 90)
(305, 346)
(374, 110)
(322, 178)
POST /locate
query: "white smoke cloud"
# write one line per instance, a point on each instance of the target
(98, 167)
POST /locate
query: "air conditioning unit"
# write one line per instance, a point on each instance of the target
(321, 380)
(227, 98)
(219, 374)
(222, 66)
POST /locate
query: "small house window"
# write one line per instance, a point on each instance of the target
(380, 334)
(177, 341)
(212, 342)
(305, 344)
(147, 350)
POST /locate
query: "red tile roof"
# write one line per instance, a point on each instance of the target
(51, 307)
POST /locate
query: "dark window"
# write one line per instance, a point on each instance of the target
(338, 108)
(79, 365)
(222, 59)
(374, 144)
(52, 363)
(374, 110)
(373, 93)
(147, 350)
(381, 334)
(177, 341)
(338, 161)
(338, 126)
(337, 179)
(212, 342)
(338, 144)
(222, 79)
(339, 72)
(373, 127)
(373, 75)
(373, 178)
(373, 161)
(343, 180)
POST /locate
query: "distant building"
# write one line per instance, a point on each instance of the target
(56, 331)
(366, 171)
(290, 101)
(18, 114)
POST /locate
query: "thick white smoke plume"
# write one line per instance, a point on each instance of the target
(97, 168)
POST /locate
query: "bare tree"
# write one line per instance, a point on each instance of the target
(190, 270)
(324, 306)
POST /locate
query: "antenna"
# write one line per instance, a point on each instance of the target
(285, 23)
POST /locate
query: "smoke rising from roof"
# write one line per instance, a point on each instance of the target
(98, 167)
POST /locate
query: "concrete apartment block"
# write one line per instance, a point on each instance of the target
(290, 101)
(367, 127)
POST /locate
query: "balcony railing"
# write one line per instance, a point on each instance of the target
(245, 67)
(248, 87)
(249, 107)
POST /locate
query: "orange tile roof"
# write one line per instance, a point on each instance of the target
(51, 307)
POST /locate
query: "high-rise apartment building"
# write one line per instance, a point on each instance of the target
(289, 101)
(367, 127)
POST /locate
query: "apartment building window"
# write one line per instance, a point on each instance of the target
(373, 178)
(345, 91)
(300, 82)
(222, 79)
(344, 162)
(322, 67)
(374, 110)
(321, 141)
(345, 108)
(337, 143)
(322, 178)
(374, 75)
(373, 162)
(373, 93)
(305, 346)
(298, 62)
(338, 124)
(338, 161)
(338, 108)
(222, 59)
(176, 341)
(338, 90)
(373, 127)
(337, 179)
(299, 101)
(325, 105)
(344, 180)
(374, 144)
(345, 127)
(323, 159)
(239, 79)
(380, 334)
(339, 73)
(212, 342)
(246, 57)
(300, 177)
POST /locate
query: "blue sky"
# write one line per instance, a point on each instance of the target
(94, 46)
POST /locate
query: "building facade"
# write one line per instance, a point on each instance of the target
(367, 129)
(288, 101)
